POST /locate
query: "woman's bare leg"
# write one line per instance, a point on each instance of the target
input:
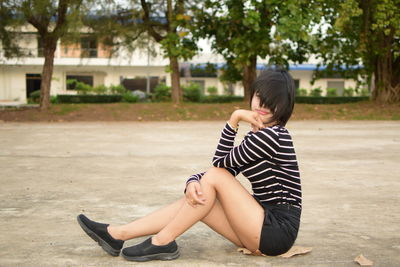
(243, 212)
(154, 222)
(147, 225)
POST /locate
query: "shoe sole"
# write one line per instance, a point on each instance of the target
(112, 251)
(160, 256)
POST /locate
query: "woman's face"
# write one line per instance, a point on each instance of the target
(264, 112)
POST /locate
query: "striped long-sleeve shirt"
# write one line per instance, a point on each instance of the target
(266, 158)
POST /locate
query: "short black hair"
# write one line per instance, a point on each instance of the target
(276, 90)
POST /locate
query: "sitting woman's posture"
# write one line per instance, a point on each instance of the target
(266, 221)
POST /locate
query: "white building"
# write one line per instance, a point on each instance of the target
(89, 61)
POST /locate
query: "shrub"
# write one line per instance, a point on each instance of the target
(192, 92)
(89, 98)
(348, 92)
(53, 99)
(81, 87)
(301, 92)
(364, 92)
(162, 92)
(139, 94)
(117, 89)
(35, 96)
(221, 99)
(329, 99)
(100, 89)
(129, 97)
(212, 90)
(316, 92)
(331, 92)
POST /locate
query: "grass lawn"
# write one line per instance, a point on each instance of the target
(194, 111)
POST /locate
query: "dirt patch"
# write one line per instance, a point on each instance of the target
(194, 111)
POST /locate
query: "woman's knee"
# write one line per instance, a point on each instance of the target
(215, 174)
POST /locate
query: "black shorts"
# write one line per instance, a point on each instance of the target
(280, 228)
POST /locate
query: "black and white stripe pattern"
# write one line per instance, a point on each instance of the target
(266, 158)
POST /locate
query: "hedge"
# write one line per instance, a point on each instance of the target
(89, 98)
(220, 99)
(330, 99)
(212, 99)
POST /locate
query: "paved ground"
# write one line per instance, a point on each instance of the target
(116, 172)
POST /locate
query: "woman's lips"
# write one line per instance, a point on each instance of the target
(261, 112)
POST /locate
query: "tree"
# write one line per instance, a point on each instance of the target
(166, 23)
(244, 30)
(362, 32)
(51, 19)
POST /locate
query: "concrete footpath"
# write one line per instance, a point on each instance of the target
(117, 172)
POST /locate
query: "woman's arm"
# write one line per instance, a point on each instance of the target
(197, 177)
(261, 144)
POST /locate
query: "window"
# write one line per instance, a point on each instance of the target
(80, 78)
(140, 83)
(338, 85)
(296, 84)
(88, 46)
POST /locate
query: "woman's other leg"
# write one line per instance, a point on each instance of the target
(157, 220)
(244, 214)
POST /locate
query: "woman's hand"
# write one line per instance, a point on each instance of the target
(252, 117)
(194, 194)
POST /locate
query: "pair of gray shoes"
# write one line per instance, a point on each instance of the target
(144, 251)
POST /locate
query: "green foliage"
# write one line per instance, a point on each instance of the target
(241, 30)
(53, 99)
(50, 20)
(199, 71)
(364, 92)
(192, 92)
(100, 89)
(316, 92)
(331, 92)
(89, 98)
(212, 90)
(329, 99)
(301, 92)
(175, 46)
(117, 89)
(85, 89)
(35, 96)
(221, 99)
(348, 91)
(129, 97)
(162, 92)
(231, 72)
(362, 33)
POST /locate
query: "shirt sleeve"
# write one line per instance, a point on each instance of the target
(197, 177)
(261, 144)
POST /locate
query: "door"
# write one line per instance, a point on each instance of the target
(33, 81)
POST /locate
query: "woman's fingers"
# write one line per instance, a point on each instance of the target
(198, 196)
(259, 121)
(194, 194)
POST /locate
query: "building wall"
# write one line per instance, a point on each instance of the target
(13, 79)
(111, 71)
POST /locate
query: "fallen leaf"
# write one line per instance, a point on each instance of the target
(244, 251)
(363, 261)
(296, 250)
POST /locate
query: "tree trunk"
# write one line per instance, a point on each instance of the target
(249, 75)
(176, 91)
(47, 73)
(386, 87)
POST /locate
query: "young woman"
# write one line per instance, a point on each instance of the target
(266, 221)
